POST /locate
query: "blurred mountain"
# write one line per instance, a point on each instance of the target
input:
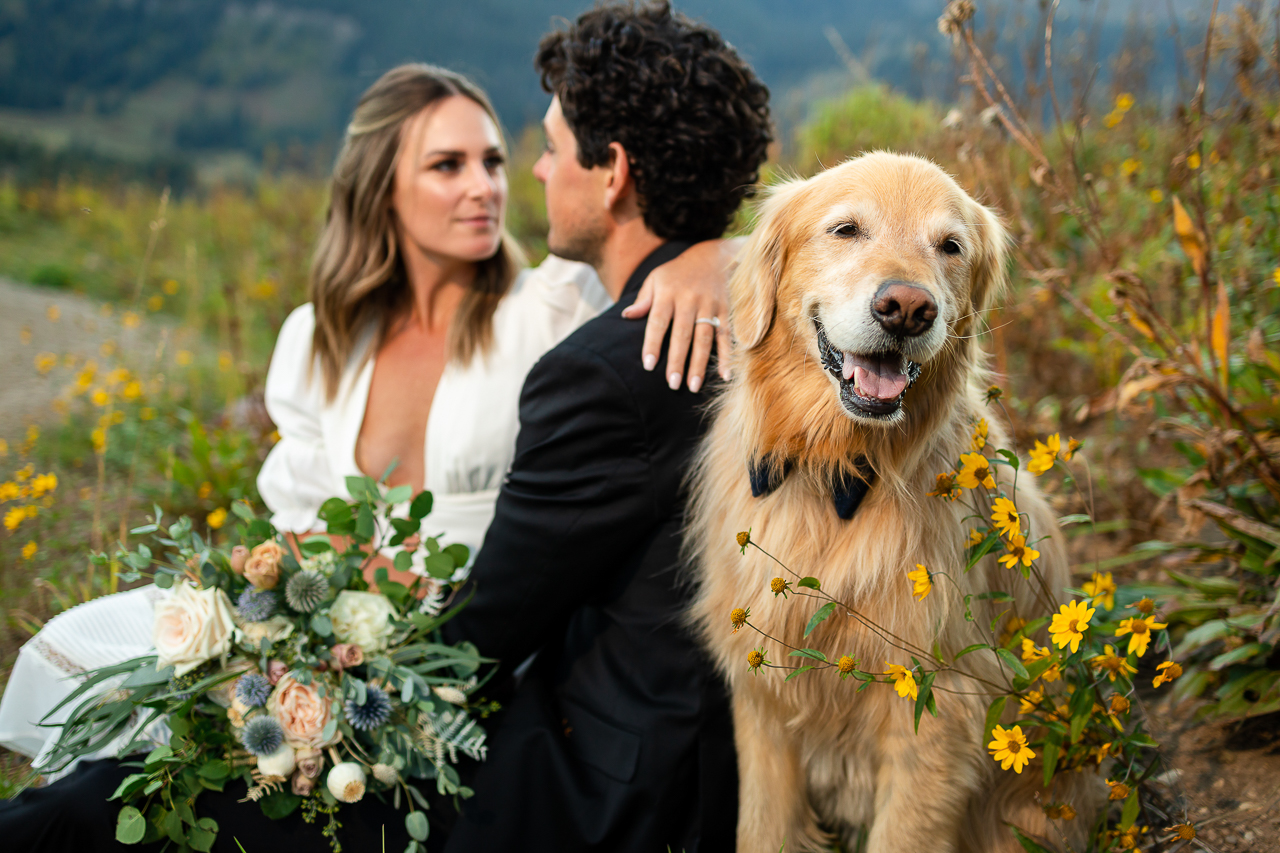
(232, 83)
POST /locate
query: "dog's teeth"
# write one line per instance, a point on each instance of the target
(848, 366)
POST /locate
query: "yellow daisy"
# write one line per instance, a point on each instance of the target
(975, 471)
(923, 583)
(1166, 672)
(1101, 590)
(1005, 514)
(1009, 747)
(1069, 624)
(1044, 454)
(980, 430)
(1017, 551)
(1111, 663)
(1139, 630)
(1031, 652)
(903, 681)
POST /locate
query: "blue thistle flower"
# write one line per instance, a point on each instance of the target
(253, 689)
(375, 711)
(262, 735)
(305, 590)
(256, 605)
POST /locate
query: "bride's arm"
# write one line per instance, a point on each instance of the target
(677, 294)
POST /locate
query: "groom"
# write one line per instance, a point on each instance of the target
(619, 736)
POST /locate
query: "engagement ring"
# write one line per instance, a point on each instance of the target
(710, 321)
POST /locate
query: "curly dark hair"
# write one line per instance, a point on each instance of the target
(691, 114)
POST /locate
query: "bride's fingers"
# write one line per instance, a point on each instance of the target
(724, 347)
(655, 329)
(681, 335)
(703, 336)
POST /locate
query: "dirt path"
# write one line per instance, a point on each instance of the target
(35, 320)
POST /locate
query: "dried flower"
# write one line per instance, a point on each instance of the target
(1119, 790)
(1119, 704)
(347, 782)
(1060, 811)
(1166, 672)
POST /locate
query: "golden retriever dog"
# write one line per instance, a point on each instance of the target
(857, 308)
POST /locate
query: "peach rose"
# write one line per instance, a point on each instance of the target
(191, 626)
(302, 785)
(346, 655)
(262, 569)
(302, 713)
(239, 556)
(310, 762)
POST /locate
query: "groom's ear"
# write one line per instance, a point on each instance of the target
(619, 184)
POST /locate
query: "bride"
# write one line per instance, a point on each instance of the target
(412, 353)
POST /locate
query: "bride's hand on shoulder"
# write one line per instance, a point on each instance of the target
(677, 295)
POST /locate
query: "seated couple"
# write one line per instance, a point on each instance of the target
(419, 338)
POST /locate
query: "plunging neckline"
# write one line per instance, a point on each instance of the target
(363, 386)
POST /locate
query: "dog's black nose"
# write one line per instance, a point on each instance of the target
(904, 310)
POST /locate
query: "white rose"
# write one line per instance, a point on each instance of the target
(275, 629)
(191, 626)
(347, 781)
(279, 763)
(362, 618)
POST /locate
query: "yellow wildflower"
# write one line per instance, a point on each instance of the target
(993, 393)
(1139, 630)
(1113, 118)
(846, 665)
(756, 659)
(975, 538)
(1114, 665)
(743, 538)
(1101, 589)
(780, 586)
(1059, 811)
(170, 287)
(980, 431)
(738, 617)
(1166, 672)
(130, 320)
(1124, 102)
(217, 518)
(99, 439)
(1130, 167)
(1156, 196)
(183, 358)
(903, 680)
(923, 584)
(132, 391)
(33, 511)
(14, 517)
(1030, 701)
(1193, 160)
(1009, 747)
(155, 302)
(45, 362)
(1069, 624)
(53, 312)
(117, 376)
(1044, 454)
(206, 489)
(1119, 704)
(1119, 790)
(44, 483)
(1031, 652)
(1182, 831)
(4, 447)
(24, 473)
(1018, 551)
(1145, 606)
(1012, 627)
(9, 491)
(975, 471)
(1005, 514)
(100, 397)
(946, 487)
(29, 550)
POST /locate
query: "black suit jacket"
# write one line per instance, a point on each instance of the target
(619, 737)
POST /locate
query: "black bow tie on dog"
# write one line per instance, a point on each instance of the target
(847, 491)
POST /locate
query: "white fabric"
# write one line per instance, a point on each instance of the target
(470, 441)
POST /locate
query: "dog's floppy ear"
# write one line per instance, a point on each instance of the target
(990, 277)
(753, 291)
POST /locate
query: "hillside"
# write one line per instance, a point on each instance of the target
(229, 84)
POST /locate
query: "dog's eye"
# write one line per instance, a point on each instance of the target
(848, 229)
(950, 245)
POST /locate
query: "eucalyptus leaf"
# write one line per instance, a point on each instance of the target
(421, 505)
(399, 494)
(130, 825)
(416, 823)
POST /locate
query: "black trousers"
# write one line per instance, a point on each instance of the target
(73, 815)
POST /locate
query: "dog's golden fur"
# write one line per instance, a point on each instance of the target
(816, 758)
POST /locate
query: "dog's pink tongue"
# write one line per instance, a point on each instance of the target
(874, 378)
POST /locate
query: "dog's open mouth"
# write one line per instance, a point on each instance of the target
(871, 384)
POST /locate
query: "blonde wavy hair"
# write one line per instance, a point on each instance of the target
(358, 279)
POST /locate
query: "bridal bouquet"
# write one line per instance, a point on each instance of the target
(277, 666)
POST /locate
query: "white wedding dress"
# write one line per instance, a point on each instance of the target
(470, 441)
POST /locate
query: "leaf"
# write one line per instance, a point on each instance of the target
(1010, 457)
(968, 649)
(994, 711)
(924, 696)
(796, 672)
(420, 506)
(202, 839)
(995, 595)
(1028, 845)
(1011, 660)
(1052, 748)
(322, 624)
(1130, 813)
(1190, 238)
(128, 785)
(243, 511)
(1220, 333)
(398, 495)
(809, 583)
(416, 823)
(279, 804)
(823, 612)
(1243, 653)
(362, 488)
(214, 770)
(808, 653)
(130, 825)
(981, 550)
(1077, 518)
(364, 522)
(460, 553)
(440, 565)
